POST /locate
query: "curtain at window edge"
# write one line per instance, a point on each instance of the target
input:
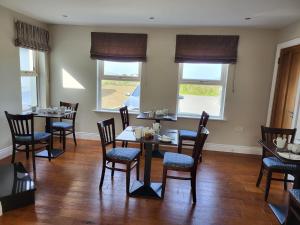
(31, 37)
(206, 49)
(121, 47)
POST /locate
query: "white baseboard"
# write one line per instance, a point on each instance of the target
(253, 150)
(4, 152)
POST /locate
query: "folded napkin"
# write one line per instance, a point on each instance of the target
(288, 155)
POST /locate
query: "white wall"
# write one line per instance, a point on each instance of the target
(10, 85)
(289, 33)
(245, 109)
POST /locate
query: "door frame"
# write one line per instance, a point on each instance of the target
(280, 46)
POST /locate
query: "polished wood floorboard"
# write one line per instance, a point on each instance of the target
(67, 193)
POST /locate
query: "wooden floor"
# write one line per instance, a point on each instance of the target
(67, 193)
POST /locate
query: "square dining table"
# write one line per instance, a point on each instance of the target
(54, 152)
(146, 188)
(281, 211)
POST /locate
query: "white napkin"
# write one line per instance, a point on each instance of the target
(1, 209)
(288, 155)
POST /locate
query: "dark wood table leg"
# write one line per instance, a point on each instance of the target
(54, 151)
(281, 211)
(146, 188)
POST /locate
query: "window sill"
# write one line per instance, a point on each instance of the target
(198, 117)
(114, 111)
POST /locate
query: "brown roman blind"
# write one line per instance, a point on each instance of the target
(124, 47)
(206, 48)
(32, 37)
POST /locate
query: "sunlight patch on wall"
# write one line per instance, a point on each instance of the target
(69, 81)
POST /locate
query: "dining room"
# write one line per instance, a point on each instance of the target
(126, 114)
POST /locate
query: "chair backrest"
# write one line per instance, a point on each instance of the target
(107, 133)
(268, 134)
(20, 125)
(202, 134)
(70, 106)
(204, 119)
(124, 117)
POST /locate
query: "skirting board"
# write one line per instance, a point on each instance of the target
(4, 152)
(253, 150)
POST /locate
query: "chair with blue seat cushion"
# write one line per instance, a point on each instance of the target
(23, 134)
(293, 217)
(128, 156)
(66, 125)
(270, 163)
(185, 163)
(190, 135)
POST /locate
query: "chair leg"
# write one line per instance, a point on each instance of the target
(285, 181)
(259, 176)
(27, 151)
(48, 148)
(141, 148)
(113, 169)
(180, 145)
(193, 186)
(74, 137)
(164, 181)
(60, 136)
(102, 175)
(33, 164)
(268, 184)
(123, 144)
(64, 139)
(138, 168)
(13, 157)
(127, 178)
(126, 144)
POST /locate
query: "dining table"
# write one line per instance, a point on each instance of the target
(54, 152)
(157, 153)
(280, 211)
(147, 188)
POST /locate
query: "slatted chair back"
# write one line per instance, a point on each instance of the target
(202, 134)
(107, 134)
(72, 107)
(21, 126)
(268, 134)
(124, 117)
(204, 119)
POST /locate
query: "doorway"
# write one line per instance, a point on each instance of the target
(285, 103)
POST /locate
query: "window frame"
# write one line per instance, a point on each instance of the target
(222, 82)
(101, 76)
(33, 73)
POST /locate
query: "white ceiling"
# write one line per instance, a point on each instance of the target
(264, 13)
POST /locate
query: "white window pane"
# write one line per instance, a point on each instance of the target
(194, 98)
(26, 59)
(29, 92)
(115, 94)
(202, 71)
(128, 69)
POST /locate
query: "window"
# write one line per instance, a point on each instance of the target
(118, 85)
(28, 78)
(202, 86)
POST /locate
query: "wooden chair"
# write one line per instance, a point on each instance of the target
(125, 123)
(185, 163)
(128, 156)
(23, 134)
(270, 163)
(62, 128)
(293, 217)
(189, 135)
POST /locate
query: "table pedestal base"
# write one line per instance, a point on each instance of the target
(279, 211)
(139, 189)
(54, 153)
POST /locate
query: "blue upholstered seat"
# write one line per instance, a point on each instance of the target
(274, 163)
(188, 134)
(296, 194)
(178, 160)
(62, 125)
(38, 136)
(123, 153)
